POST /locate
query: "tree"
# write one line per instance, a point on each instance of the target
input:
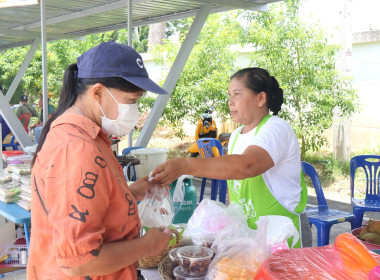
(156, 34)
(205, 77)
(60, 54)
(303, 62)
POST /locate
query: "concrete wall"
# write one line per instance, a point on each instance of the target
(365, 129)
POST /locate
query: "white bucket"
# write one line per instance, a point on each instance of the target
(149, 158)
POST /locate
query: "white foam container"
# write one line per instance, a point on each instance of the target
(149, 158)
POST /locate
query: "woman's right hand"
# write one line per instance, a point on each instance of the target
(167, 172)
(157, 240)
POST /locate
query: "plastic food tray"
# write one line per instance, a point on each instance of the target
(21, 169)
(5, 178)
(9, 190)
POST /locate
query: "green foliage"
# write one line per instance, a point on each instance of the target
(328, 168)
(10, 62)
(303, 62)
(205, 78)
(60, 54)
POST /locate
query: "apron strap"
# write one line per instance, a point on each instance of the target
(262, 122)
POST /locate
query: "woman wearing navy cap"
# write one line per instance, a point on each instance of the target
(85, 223)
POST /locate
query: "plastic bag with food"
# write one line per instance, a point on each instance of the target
(210, 217)
(239, 252)
(156, 209)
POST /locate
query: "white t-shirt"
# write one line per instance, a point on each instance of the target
(277, 137)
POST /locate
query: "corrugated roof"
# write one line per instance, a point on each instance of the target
(19, 26)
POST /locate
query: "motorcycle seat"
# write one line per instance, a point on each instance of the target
(224, 136)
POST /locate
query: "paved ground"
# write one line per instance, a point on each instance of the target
(312, 201)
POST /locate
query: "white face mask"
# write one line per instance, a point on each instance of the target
(124, 123)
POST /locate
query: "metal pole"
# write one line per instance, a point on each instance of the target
(130, 27)
(23, 67)
(44, 61)
(173, 76)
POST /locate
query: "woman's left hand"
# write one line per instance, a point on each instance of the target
(140, 188)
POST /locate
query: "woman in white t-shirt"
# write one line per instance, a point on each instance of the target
(263, 165)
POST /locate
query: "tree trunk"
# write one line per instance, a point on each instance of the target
(156, 34)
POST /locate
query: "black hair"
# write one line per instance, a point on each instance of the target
(258, 80)
(72, 87)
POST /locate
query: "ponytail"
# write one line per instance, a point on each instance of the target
(276, 96)
(69, 94)
(258, 80)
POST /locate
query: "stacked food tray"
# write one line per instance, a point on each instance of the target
(15, 185)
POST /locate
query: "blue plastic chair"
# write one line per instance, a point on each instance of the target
(371, 203)
(13, 144)
(5, 130)
(322, 216)
(208, 148)
(126, 151)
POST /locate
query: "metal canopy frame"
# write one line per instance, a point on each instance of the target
(73, 19)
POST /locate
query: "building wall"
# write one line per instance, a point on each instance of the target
(365, 126)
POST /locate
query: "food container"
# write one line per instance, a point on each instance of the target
(207, 240)
(9, 199)
(27, 159)
(5, 178)
(9, 190)
(174, 258)
(21, 179)
(179, 274)
(26, 189)
(195, 260)
(21, 169)
(7, 154)
(25, 205)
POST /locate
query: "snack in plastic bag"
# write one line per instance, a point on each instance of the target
(21, 169)
(5, 178)
(156, 209)
(9, 199)
(210, 217)
(9, 190)
(239, 252)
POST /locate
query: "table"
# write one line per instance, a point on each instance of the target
(17, 215)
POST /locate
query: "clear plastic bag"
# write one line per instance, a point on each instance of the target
(9, 190)
(156, 209)
(210, 217)
(239, 252)
(279, 230)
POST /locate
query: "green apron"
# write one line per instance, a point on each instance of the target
(257, 200)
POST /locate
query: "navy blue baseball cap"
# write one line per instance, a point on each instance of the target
(24, 98)
(116, 60)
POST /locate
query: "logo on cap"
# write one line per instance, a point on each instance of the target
(140, 63)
